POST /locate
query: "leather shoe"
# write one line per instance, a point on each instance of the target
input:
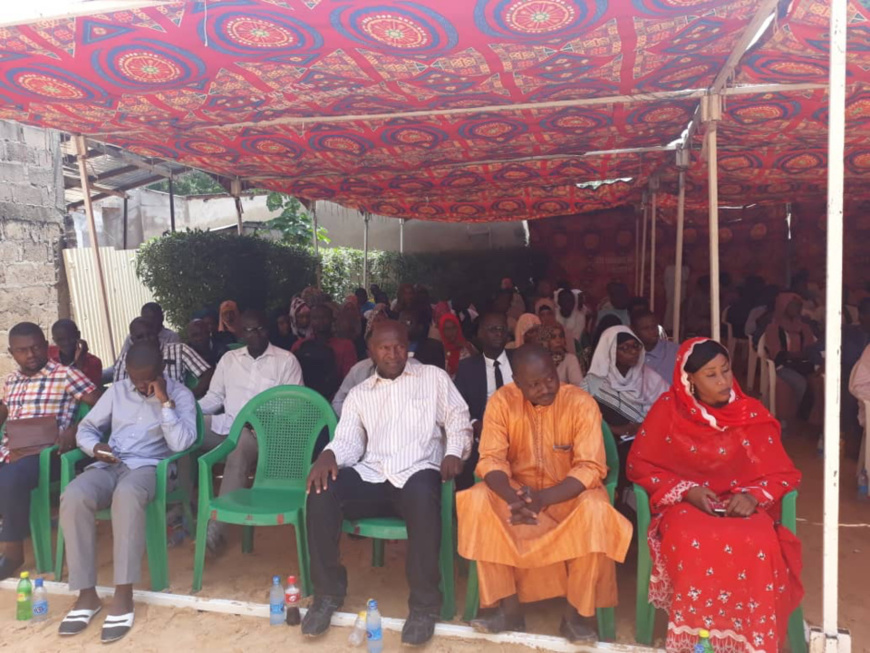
(317, 618)
(419, 628)
(499, 622)
(578, 629)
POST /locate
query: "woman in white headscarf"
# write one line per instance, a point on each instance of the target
(623, 386)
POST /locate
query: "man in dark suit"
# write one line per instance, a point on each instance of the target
(426, 350)
(478, 377)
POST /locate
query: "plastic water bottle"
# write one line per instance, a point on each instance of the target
(40, 601)
(358, 634)
(24, 598)
(862, 485)
(374, 634)
(276, 602)
(292, 597)
(703, 645)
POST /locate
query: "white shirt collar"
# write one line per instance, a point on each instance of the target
(502, 359)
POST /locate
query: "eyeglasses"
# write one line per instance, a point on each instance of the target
(629, 347)
(257, 329)
(496, 329)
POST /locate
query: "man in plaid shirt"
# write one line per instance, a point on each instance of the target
(179, 359)
(40, 388)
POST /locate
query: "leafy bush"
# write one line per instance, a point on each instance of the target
(189, 270)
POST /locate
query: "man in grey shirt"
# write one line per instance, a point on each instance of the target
(149, 417)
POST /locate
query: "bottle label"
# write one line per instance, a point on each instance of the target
(40, 608)
(276, 608)
(374, 633)
(23, 597)
(291, 598)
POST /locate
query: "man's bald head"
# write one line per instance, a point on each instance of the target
(388, 348)
(535, 374)
(142, 330)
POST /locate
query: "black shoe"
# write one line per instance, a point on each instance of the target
(418, 628)
(578, 629)
(316, 620)
(499, 622)
(9, 567)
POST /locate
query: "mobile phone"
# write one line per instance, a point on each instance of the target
(719, 510)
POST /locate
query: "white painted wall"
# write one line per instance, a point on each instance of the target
(148, 217)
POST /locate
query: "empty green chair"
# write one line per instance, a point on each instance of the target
(287, 420)
(155, 516)
(646, 612)
(606, 616)
(235, 345)
(393, 528)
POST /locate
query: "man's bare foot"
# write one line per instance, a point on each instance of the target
(88, 600)
(122, 601)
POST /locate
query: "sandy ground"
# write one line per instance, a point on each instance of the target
(247, 577)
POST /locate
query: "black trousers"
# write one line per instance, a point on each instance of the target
(418, 502)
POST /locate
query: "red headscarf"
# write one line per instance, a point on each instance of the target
(684, 442)
(453, 350)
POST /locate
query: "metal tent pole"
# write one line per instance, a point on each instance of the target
(235, 191)
(125, 222)
(711, 111)
(366, 217)
(82, 152)
(314, 227)
(402, 236)
(832, 640)
(654, 187)
(642, 280)
(637, 251)
(171, 207)
(682, 164)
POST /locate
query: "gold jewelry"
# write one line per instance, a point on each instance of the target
(691, 387)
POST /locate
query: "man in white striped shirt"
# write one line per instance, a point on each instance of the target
(388, 458)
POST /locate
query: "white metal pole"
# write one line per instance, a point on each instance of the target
(643, 247)
(637, 218)
(678, 271)
(712, 115)
(652, 252)
(402, 236)
(82, 151)
(366, 218)
(314, 227)
(236, 191)
(833, 320)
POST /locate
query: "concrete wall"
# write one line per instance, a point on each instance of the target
(31, 230)
(148, 217)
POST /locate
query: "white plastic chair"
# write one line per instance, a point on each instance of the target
(864, 453)
(768, 377)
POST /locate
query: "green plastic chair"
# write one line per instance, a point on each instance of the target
(606, 616)
(155, 516)
(40, 502)
(393, 528)
(287, 420)
(235, 345)
(646, 612)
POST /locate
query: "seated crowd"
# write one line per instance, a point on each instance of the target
(508, 400)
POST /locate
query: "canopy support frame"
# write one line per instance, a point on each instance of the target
(682, 166)
(642, 275)
(654, 188)
(82, 157)
(711, 114)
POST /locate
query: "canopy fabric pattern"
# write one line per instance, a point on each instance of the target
(421, 109)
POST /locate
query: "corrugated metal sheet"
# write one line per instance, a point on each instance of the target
(126, 296)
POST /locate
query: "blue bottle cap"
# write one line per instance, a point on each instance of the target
(372, 604)
(276, 580)
(39, 582)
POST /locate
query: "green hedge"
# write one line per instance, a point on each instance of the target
(189, 270)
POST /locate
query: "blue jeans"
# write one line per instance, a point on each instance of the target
(17, 480)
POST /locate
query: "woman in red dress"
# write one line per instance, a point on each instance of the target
(712, 462)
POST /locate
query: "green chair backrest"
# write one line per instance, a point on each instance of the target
(235, 345)
(190, 381)
(287, 420)
(611, 454)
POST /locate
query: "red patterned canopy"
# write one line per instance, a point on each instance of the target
(437, 109)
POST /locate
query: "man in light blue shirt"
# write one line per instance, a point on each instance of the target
(149, 418)
(661, 354)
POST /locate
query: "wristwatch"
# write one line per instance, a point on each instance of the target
(169, 404)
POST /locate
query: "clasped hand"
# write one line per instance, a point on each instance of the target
(526, 507)
(739, 505)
